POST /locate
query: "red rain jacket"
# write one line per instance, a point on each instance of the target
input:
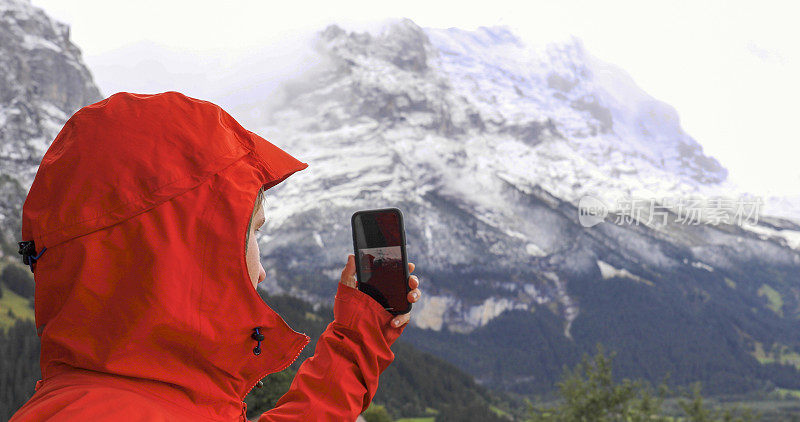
(143, 301)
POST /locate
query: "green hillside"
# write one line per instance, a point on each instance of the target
(691, 326)
(16, 294)
(417, 385)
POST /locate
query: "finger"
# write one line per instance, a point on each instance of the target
(349, 272)
(414, 295)
(413, 281)
(411, 267)
(401, 319)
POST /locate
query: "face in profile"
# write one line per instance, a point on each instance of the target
(253, 257)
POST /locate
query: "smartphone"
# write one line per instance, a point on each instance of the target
(379, 241)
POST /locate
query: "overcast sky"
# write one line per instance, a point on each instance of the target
(729, 68)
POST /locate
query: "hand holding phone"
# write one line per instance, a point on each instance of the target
(349, 280)
(382, 269)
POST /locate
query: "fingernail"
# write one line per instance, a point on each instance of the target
(415, 294)
(396, 323)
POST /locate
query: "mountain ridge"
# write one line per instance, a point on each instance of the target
(44, 81)
(488, 160)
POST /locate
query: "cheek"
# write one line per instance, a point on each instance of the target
(252, 251)
(256, 253)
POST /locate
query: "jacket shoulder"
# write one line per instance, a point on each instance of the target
(96, 403)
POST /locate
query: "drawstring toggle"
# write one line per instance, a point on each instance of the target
(28, 251)
(257, 336)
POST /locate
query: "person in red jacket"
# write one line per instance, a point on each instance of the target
(140, 230)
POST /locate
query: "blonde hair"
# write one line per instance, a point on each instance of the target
(258, 205)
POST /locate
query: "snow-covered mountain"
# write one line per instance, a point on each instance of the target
(550, 113)
(43, 81)
(410, 113)
(488, 146)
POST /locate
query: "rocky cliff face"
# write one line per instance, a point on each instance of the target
(487, 145)
(551, 114)
(43, 81)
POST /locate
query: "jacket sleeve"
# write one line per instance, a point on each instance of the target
(340, 380)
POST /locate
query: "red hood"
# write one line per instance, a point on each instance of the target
(143, 203)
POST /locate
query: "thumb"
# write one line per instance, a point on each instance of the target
(349, 272)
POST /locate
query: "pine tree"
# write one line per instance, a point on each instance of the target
(588, 393)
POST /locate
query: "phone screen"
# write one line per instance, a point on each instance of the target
(381, 263)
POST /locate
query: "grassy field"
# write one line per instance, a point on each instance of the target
(430, 411)
(15, 303)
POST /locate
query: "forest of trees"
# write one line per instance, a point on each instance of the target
(666, 328)
(19, 344)
(588, 392)
(18, 279)
(19, 366)
(416, 384)
(412, 384)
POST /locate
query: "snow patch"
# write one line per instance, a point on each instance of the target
(533, 249)
(703, 266)
(609, 271)
(318, 239)
(791, 237)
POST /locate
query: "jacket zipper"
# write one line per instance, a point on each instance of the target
(244, 408)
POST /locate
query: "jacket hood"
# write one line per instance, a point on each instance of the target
(142, 203)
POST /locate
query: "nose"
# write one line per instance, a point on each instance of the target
(261, 273)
